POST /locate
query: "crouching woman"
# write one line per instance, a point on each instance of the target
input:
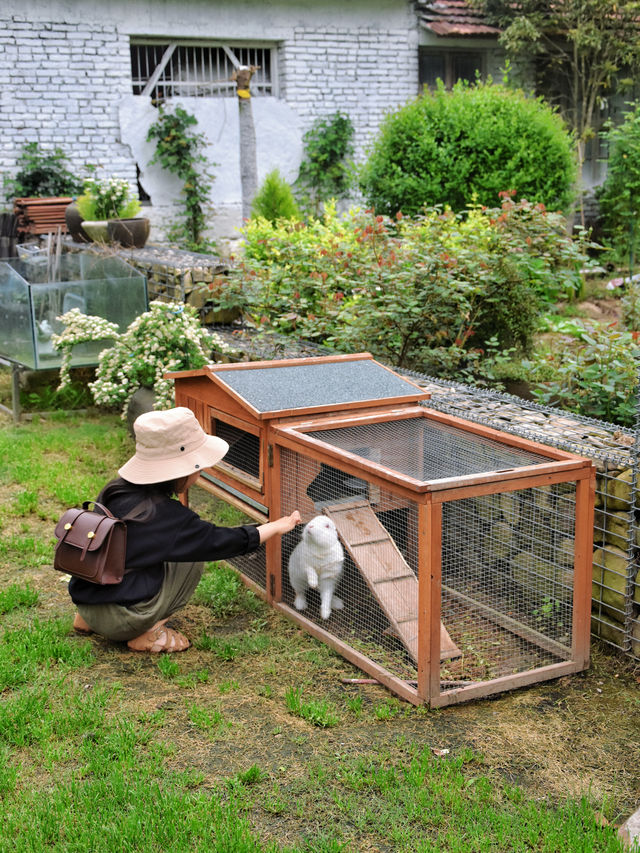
(167, 543)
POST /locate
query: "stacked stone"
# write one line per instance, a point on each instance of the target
(181, 276)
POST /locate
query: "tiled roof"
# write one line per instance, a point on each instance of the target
(453, 18)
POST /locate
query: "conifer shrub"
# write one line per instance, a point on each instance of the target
(447, 147)
(274, 200)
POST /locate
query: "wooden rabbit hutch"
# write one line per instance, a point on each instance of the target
(467, 551)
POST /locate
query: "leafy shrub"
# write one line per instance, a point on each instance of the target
(113, 198)
(474, 141)
(274, 200)
(42, 173)
(179, 151)
(619, 196)
(167, 337)
(422, 292)
(325, 171)
(597, 377)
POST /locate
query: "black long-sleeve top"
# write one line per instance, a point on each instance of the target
(174, 534)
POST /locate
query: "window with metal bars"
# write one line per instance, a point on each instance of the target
(167, 69)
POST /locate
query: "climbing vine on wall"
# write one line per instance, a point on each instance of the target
(179, 151)
(325, 171)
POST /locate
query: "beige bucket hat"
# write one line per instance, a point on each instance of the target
(170, 444)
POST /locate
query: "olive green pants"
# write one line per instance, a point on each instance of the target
(122, 622)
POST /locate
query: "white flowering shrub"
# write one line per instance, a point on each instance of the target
(167, 337)
(78, 329)
(113, 198)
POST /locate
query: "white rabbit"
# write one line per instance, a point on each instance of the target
(316, 562)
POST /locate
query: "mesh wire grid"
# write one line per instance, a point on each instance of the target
(507, 581)
(362, 622)
(427, 450)
(615, 453)
(507, 558)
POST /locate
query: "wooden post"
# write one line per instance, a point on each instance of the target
(273, 547)
(248, 157)
(429, 594)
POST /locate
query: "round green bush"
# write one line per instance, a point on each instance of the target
(447, 148)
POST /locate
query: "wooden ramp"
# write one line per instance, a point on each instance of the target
(386, 572)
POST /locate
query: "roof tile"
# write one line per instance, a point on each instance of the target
(453, 18)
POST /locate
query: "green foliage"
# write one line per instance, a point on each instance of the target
(166, 337)
(585, 49)
(475, 141)
(631, 307)
(179, 151)
(619, 196)
(418, 293)
(42, 173)
(598, 377)
(325, 171)
(15, 596)
(113, 198)
(318, 712)
(274, 200)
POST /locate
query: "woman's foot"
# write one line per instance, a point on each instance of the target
(80, 626)
(159, 639)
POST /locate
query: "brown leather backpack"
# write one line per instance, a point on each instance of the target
(91, 544)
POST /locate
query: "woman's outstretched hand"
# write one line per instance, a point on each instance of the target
(279, 526)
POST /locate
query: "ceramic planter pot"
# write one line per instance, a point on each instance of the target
(97, 230)
(129, 233)
(73, 218)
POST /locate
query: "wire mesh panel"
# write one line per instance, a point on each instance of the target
(507, 581)
(253, 566)
(615, 617)
(375, 593)
(427, 450)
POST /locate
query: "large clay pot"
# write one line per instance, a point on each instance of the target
(73, 218)
(97, 230)
(129, 233)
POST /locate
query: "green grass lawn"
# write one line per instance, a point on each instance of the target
(251, 741)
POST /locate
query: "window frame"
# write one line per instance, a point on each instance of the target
(449, 54)
(147, 85)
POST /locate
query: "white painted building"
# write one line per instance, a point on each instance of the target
(85, 77)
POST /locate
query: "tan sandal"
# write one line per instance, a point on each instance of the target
(160, 639)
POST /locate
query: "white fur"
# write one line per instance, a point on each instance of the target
(316, 562)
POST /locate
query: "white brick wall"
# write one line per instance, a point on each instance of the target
(61, 83)
(362, 72)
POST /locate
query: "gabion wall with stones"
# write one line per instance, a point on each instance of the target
(615, 453)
